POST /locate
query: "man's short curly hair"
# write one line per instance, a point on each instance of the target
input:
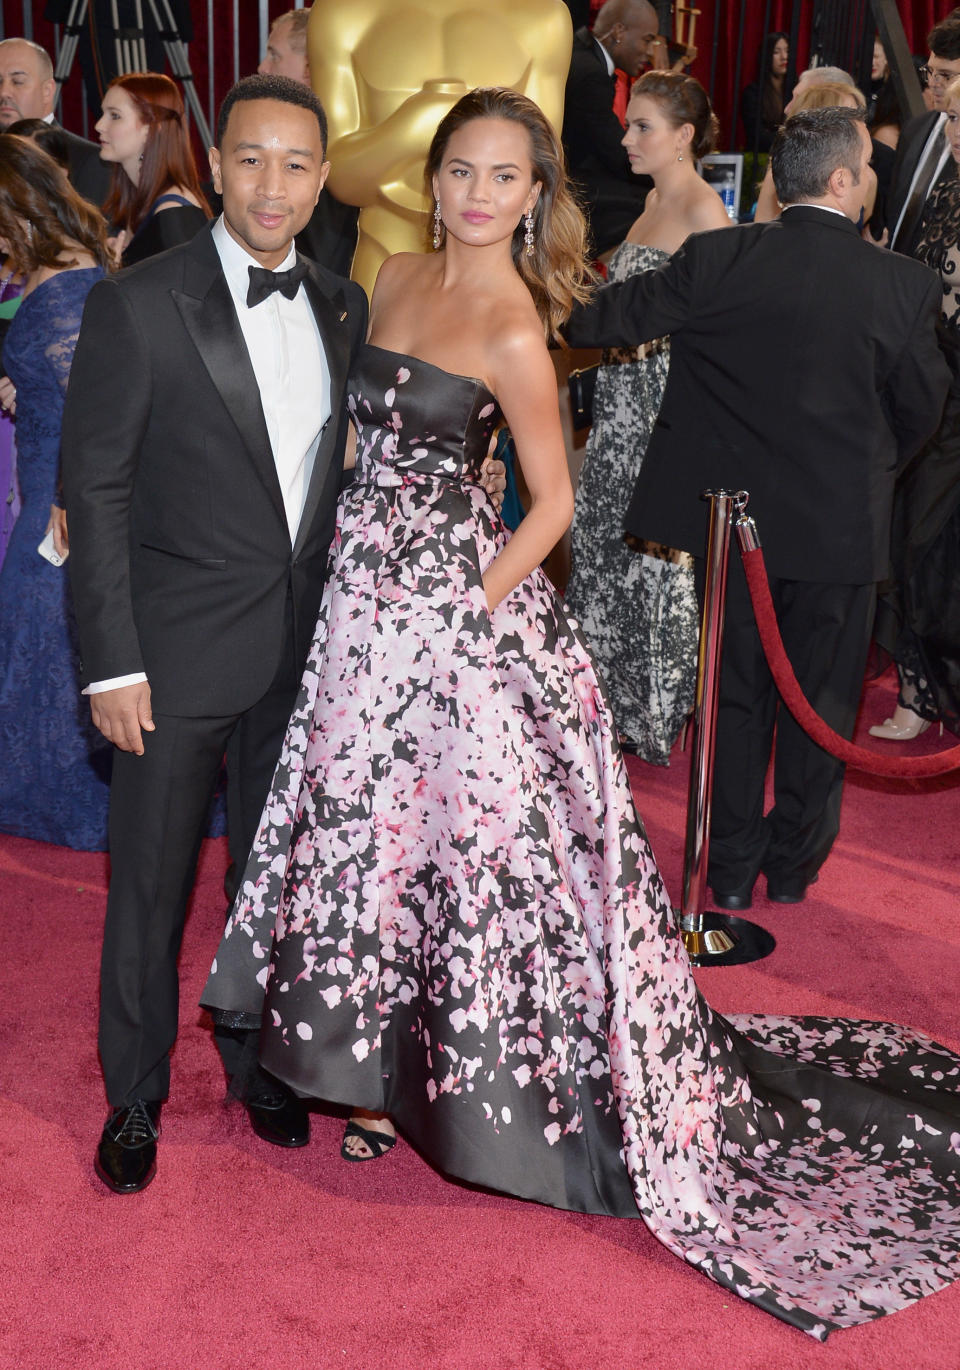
(272, 88)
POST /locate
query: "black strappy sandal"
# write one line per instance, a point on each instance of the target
(378, 1142)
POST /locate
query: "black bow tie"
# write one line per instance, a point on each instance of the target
(263, 282)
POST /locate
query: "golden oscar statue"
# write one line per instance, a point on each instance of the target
(387, 71)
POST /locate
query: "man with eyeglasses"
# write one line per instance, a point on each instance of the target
(922, 153)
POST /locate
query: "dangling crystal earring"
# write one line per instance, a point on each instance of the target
(436, 227)
(679, 156)
(528, 233)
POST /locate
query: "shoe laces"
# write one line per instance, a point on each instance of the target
(138, 1128)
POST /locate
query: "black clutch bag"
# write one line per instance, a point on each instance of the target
(581, 384)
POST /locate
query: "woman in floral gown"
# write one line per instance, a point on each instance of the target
(451, 916)
(636, 603)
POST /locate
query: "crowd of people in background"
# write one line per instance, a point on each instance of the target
(636, 169)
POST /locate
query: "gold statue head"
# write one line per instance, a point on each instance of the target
(387, 71)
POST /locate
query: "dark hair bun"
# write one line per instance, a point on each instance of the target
(683, 100)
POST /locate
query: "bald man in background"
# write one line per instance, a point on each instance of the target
(624, 36)
(28, 91)
(331, 235)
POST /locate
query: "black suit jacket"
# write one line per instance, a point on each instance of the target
(596, 158)
(910, 145)
(180, 553)
(804, 367)
(88, 174)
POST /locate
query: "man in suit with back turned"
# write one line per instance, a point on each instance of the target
(804, 368)
(203, 446)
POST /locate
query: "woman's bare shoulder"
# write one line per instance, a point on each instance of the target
(401, 266)
(398, 276)
(184, 192)
(705, 208)
(515, 337)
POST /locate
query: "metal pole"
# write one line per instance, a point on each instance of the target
(71, 35)
(211, 71)
(712, 939)
(767, 61)
(264, 29)
(738, 66)
(176, 50)
(714, 51)
(903, 73)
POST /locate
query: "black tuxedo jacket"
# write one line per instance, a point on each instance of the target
(180, 553)
(910, 145)
(804, 368)
(88, 174)
(596, 157)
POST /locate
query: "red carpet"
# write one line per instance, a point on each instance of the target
(241, 1256)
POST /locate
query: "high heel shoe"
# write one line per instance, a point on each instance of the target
(377, 1143)
(903, 726)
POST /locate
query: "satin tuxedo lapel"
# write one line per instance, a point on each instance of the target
(206, 308)
(330, 314)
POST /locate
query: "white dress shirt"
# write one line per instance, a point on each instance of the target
(291, 369)
(293, 378)
(806, 204)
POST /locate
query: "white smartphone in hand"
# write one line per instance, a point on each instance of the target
(47, 549)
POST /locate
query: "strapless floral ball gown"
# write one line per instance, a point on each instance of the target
(451, 912)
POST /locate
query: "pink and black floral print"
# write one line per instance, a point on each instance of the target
(451, 912)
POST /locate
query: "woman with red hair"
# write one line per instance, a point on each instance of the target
(155, 201)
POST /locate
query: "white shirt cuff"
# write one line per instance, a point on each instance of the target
(97, 687)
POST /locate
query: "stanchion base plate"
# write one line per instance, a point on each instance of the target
(720, 939)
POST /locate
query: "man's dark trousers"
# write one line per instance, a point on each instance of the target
(826, 633)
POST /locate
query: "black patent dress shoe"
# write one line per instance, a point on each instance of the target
(126, 1158)
(279, 1118)
(789, 891)
(734, 900)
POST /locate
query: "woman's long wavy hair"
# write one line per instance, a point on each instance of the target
(556, 272)
(167, 155)
(35, 192)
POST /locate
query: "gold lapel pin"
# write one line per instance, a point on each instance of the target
(343, 316)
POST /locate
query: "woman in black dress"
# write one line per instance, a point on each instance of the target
(762, 102)
(155, 201)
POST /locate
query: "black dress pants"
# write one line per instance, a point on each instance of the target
(826, 633)
(158, 811)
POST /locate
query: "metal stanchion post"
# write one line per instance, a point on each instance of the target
(712, 939)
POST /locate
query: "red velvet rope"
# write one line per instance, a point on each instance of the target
(873, 763)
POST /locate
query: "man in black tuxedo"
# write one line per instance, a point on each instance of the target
(623, 35)
(203, 445)
(923, 156)
(804, 368)
(28, 91)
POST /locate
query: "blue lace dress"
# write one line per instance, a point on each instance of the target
(55, 766)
